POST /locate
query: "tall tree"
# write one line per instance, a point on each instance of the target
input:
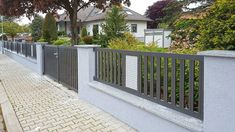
(163, 11)
(49, 28)
(36, 27)
(19, 7)
(11, 29)
(115, 25)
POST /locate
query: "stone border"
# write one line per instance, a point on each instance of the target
(11, 121)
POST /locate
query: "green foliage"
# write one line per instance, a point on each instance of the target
(115, 25)
(49, 28)
(172, 12)
(11, 29)
(84, 32)
(36, 27)
(62, 41)
(61, 33)
(41, 40)
(129, 42)
(217, 30)
(87, 39)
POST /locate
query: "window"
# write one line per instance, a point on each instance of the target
(95, 29)
(134, 28)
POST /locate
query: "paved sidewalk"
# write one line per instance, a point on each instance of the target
(41, 106)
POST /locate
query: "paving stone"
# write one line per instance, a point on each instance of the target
(41, 106)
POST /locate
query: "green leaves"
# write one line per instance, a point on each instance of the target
(49, 28)
(11, 29)
(115, 25)
(217, 31)
(36, 27)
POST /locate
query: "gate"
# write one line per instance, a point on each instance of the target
(61, 64)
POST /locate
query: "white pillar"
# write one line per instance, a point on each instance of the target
(86, 67)
(40, 57)
(1, 47)
(219, 91)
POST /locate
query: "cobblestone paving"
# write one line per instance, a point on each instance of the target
(2, 125)
(41, 106)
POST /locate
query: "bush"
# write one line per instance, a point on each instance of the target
(127, 42)
(41, 40)
(62, 41)
(84, 32)
(217, 30)
(61, 33)
(49, 28)
(87, 39)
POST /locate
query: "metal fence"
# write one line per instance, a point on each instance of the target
(26, 49)
(171, 80)
(61, 64)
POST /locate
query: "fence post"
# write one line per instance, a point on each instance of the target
(219, 91)
(1, 47)
(40, 57)
(86, 67)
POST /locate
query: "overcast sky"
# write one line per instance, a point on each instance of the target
(139, 6)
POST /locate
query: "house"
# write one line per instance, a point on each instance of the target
(92, 16)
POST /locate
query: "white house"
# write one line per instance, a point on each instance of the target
(91, 17)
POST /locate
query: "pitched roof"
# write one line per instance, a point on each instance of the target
(92, 13)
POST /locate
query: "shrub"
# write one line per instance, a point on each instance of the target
(115, 25)
(84, 32)
(217, 30)
(41, 40)
(127, 42)
(61, 33)
(62, 41)
(36, 27)
(87, 40)
(49, 28)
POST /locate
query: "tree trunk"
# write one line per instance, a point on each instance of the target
(74, 32)
(73, 20)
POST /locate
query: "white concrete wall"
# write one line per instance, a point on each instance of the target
(141, 114)
(141, 26)
(89, 26)
(35, 65)
(219, 91)
(61, 27)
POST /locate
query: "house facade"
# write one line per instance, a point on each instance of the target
(91, 17)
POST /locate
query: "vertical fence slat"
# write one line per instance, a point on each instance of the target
(165, 92)
(111, 67)
(182, 72)
(151, 75)
(201, 88)
(96, 64)
(107, 64)
(146, 75)
(139, 73)
(158, 78)
(191, 84)
(123, 70)
(173, 81)
(115, 67)
(104, 67)
(119, 69)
